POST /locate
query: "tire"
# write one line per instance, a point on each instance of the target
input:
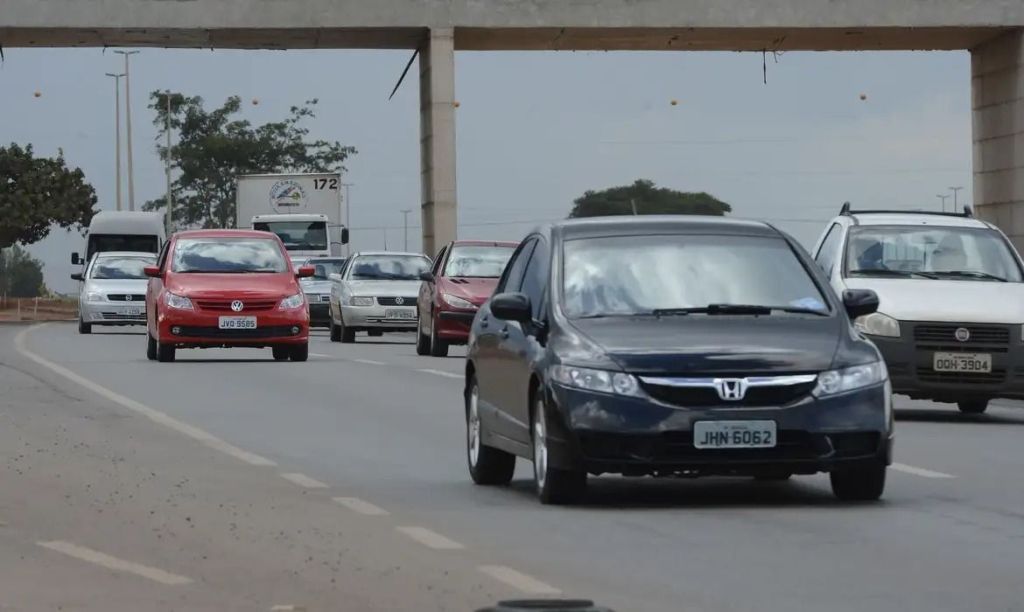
(422, 342)
(859, 484)
(150, 347)
(300, 352)
(553, 486)
(973, 406)
(775, 477)
(281, 353)
(438, 347)
(348, 336)
(487, 465)
(84, 328)
(335, 332)
(165, 353)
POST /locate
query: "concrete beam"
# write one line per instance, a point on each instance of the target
(437, 139)
(997, 94)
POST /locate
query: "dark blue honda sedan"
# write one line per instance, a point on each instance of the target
(673, 346)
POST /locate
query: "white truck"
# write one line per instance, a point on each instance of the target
(304, 210)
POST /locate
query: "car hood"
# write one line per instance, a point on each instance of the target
(701, 344)
(134, 286)
(232, 285)
(316, 286)
(950, 301)
(386, 288)
(474, 290)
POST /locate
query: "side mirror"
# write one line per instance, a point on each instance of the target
(151, 271)
(78, 276)
(512, 306)
(305, 272)
(860, 302)
(76, 260)
(334, 276)
(427, 277)
(344, 235)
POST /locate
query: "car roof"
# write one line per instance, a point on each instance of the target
(105, 254)
(912, 218)
(501, 243)
(659, 224)
(224, 233)
(399, 253)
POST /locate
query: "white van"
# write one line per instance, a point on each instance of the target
(951, 291)
(123, 231)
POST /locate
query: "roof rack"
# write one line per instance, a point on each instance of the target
(846, 211)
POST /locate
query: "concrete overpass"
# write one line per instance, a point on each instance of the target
(993, 31)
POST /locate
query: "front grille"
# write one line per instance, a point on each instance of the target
(393, 301)
(123, 297)
(946, 334)
(995, 377)
(701, 397)
(123, 317)
(274, 331)
(225, 305)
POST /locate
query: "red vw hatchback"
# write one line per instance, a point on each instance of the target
(226, 288)
(464, 275)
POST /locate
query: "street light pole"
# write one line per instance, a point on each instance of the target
(117, 133)
(943, 198)
(956, 204)
(128, 125)
(167, 166)
(405, 229)
(348, 226)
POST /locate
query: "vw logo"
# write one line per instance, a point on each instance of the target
(128, 298)
(237, 305)
(399, 300)
(962, 334)
(731, 389)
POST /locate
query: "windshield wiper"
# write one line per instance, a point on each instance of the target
(736, 309)
(899, 273)
(972, 274)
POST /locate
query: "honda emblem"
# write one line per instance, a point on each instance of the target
(731, 389)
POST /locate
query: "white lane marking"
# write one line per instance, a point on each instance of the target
(152, 414)
(287, 608)
(916, 471)
(368, 361)
(317, 355)
(120, 565)
(304, 481)
(440, 373)
(519, 580)
(362, 507)
(430, 539)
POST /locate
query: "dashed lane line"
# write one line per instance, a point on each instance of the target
(318, 355)
(360, 506)
(516, 579)
(304, 481)
(440, 373)
(368, 361)
(152, 414)
(430, 539)
(120, 565)
(916, 471)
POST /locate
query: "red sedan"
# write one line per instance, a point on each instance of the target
(226, 288)
(464, 275)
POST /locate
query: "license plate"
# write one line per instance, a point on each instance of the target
(132, 312)
(962, 362)
(399, 313)
(734, 434)
(237, 323)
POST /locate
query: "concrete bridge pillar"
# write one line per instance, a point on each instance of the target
(997, 99)
(437, 139)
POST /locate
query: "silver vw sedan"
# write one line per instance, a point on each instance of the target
(376, 292)
(113, 289)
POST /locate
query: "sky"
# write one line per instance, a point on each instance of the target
(537, 129)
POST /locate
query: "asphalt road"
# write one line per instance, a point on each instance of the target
(382, 430)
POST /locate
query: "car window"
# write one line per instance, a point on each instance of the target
(826, 256)
(477, 261)
(120, 268)
(163, 255)
(512, 278)
(388, 267)
(227, 256)
(536, 276)
(436, 269)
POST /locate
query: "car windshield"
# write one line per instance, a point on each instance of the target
(630, 275)
(322, 268)
(930, 252)
(389, 267)
(121, 268)
(478, 261)
(297, 235)
(227, 255)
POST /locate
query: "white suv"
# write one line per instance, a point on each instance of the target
(952, 300)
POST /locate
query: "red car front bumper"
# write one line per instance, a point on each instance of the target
(196, 328)
(453, 325)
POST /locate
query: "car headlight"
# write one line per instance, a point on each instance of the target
(180, 302)
(292, 301)
(878, 324)
(590, 379)
(834, 382)
(358, 300)
(457, 302)
(94, 296)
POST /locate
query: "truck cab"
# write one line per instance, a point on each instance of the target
(135, 231)
(305, 236)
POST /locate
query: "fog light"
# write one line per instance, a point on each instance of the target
(295, 331)
(176, 330)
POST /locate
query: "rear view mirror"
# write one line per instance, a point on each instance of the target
(427, 276)
(151, 271)
(78, 276)
(305, 271)
(344, 235)
(334, 276)
(860, 302)
(76, 260)
(512, 306)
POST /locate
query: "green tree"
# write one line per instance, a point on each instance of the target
(38, 192)
(213, 147)
(21, 275)
(645, 198)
